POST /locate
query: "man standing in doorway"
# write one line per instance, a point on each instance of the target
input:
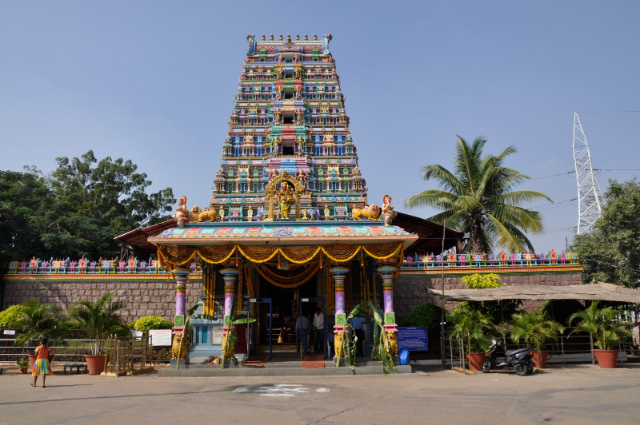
(302, 329)
(318, 330)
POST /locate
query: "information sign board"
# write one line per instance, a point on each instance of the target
(160, 337)
(413, 338)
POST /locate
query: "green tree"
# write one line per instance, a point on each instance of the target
(610, 253)
(23, 197)
(96, 203)
(77, 210)
(40, 320)
(477, 197)
(601, 324)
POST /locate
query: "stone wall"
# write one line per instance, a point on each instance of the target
(409, 290)
(144, 298)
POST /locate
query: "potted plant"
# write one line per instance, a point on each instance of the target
(99, 319)
(474, 329)
(39, 320)
(601, 325)
(23, 365)
(536, 329)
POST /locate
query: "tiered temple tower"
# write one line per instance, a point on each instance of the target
(289, 116)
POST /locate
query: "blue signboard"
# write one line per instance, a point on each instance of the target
(413, 339)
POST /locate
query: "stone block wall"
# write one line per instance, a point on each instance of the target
(144, 298)
(410, 290)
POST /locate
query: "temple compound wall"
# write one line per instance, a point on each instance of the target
(143, 297)
(157, 296)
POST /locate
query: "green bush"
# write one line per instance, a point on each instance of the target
(151, 322)
(425, 315)
(9, 316)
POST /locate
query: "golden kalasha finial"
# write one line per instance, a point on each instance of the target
(297, 37)
(306, 37)
(315, 37)
(263, 37)
(271, 37)
(280, 37)
(288, 37)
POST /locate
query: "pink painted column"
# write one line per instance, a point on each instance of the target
(388, 273)
(339, 275)
(181, 274)
(229, 275)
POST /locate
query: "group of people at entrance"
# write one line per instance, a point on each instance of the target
(304, 329)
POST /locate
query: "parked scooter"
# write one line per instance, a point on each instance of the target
(520, 360)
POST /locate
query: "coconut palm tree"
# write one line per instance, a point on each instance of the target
(100, 319)
(477, 197)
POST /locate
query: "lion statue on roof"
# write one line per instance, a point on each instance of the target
(370, 212)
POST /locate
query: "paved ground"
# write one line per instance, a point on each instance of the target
(581, 394)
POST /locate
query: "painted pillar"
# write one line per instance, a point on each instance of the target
(388, 273)
(339, 275)
(180, 274)
(229, 275)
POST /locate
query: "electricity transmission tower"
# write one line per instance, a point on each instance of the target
(589, 198)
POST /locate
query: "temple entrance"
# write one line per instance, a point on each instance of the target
(285, 312)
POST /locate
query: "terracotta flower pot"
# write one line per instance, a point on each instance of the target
(606, 358)
(544, 354)
(32, 360)
(475, 360)
(23, 370)
(95, 364)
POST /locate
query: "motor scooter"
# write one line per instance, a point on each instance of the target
(520, 360)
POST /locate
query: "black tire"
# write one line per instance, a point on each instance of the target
(486, 366)
(530, 370)
(521, 370)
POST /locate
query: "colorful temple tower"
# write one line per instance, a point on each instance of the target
(288, 221)
(288, 118)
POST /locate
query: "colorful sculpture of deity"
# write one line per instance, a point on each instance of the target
(284, 200)
(182, 214)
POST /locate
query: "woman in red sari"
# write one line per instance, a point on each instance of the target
(42, 366)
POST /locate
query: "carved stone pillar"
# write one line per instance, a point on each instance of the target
(388, 273)
(180, 274)
(339, 275)
(229, 275)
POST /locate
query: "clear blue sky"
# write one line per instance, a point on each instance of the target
(153, 81)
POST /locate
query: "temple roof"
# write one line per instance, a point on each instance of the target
(283, 233)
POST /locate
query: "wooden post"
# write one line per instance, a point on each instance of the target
(464, 366)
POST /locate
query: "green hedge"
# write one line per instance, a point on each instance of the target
(10, 316)
(425, 315)
(151, 322)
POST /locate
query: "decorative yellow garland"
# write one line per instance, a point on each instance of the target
(290, 286)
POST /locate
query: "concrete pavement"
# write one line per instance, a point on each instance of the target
(582, 394)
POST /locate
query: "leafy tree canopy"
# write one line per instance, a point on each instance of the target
(610, 253)
(77, 210)
(478, 197)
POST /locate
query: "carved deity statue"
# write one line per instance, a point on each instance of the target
(388, 214)
(182, 213)
(284, 200)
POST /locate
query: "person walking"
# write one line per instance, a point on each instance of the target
(636, 337)
(41, 365)
(302, 329)
(318, 330)
(357, 325)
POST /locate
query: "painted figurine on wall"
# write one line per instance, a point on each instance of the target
(388, 214)
(284, 200)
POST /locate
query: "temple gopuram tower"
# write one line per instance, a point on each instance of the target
(288, 224)
(289, 117)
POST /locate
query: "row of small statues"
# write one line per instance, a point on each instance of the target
(492, 260)
(85, 266)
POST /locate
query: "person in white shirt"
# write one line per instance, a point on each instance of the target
(318, 330)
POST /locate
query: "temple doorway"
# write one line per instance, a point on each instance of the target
(285, 312)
